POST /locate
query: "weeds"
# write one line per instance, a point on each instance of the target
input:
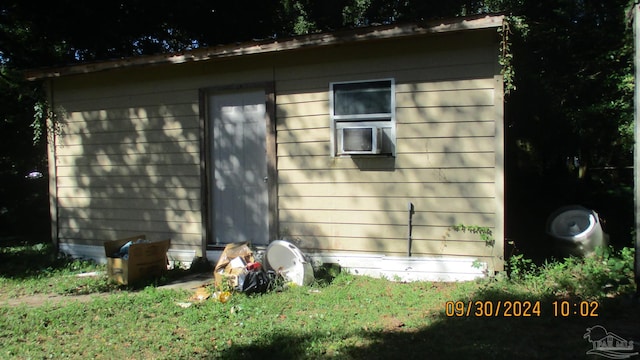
(485, 233)
(608, 274)
(341, 316)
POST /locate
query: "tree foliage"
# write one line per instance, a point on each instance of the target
(570, 62)
(575, 84)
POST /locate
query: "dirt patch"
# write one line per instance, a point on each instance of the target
(392, 324)
(42, 299)
(190, 283)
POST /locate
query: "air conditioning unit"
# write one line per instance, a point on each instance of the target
(361, 140)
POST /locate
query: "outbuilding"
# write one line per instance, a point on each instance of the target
(364, 147)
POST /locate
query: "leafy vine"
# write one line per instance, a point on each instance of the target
(484, 232)
(505, 58)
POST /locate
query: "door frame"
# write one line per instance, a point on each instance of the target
(206, 161)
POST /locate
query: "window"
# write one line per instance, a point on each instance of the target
(363, 117)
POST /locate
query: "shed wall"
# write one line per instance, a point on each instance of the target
(448, 118)
(128, 152)
(128, 148)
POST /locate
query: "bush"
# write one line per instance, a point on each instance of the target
(594, 276)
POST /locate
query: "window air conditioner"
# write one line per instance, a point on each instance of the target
(360, 140)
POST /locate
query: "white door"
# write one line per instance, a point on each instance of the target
(239, 193)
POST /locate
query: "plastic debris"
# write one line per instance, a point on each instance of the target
(222, 296)
(200, 294)
(123, 252)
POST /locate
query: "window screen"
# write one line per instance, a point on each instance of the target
(362, 98)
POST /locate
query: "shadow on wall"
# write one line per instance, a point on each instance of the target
(445, 165)
(125, 169)
(238, 166)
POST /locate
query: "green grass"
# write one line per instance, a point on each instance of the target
(344, 317)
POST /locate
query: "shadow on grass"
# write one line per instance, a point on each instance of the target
(326, 273)
(547, 336)
(24, 260)
(20, 259)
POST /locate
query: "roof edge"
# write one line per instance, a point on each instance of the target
(272, 46)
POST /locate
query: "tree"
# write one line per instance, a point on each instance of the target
(568, 122)
(299, 17)
(23, 201)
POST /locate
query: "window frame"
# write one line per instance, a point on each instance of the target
(380, 120)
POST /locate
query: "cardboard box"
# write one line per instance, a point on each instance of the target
(231, 264)
(146, 259)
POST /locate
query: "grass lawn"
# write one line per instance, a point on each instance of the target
(343, 317)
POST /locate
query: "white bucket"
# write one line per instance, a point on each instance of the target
(577, 230)
(286, 259)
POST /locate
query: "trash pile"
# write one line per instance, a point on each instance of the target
(238, 270)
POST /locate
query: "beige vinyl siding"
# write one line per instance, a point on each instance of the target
(446, 152)
(127, 160)
(128, 151)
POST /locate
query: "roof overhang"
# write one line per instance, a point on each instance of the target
(273, 46)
